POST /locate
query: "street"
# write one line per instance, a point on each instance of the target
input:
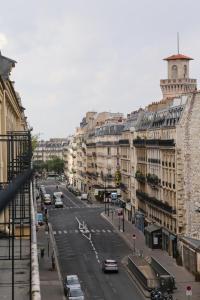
(78, 255)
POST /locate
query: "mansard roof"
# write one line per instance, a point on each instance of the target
(166, 117)
(6, 64)
(178, 56)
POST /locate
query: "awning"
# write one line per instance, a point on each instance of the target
(153, 227)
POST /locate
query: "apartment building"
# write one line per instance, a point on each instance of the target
(167, 146)
(16, 246)
(46, 150)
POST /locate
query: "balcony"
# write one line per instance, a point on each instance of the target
(124, 142)
(153, 142)
(140, 177)
(155, 202)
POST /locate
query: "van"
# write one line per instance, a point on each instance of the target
(84, 196)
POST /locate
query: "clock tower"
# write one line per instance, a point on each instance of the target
(178, 81)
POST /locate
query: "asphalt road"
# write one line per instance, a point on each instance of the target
(79, 255)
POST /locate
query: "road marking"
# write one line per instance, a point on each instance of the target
(103, 230)
(97, 230)
(54, 232)
(76, 230)
(46, 232)
(65, 231)
(60, 232)
(108, 230)
(92, 230)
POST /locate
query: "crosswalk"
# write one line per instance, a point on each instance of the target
(75, 231)
(72, 207)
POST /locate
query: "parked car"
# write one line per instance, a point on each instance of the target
(77, 192)
(40, 219)
(84, 196)
(75, 293)
(71, 281)
(110, 265)
(58, 203)
(47, 199)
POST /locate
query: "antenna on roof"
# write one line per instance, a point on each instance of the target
(178, 42)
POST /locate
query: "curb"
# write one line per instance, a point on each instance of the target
(55, 250)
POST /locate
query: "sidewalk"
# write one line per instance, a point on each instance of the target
(182, 277)
(50, 284)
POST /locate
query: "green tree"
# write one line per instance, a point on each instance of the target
(55, 165)
(35, 139)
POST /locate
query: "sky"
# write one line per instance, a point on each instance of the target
(75, 56)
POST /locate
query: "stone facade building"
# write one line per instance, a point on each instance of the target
(46, 150)
(156, 152)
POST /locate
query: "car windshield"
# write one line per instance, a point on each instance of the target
(76, 292)
(72, 280)
(57, 194)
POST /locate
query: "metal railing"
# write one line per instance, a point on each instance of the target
(15, 216)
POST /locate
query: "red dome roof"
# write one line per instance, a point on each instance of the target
(178, 56)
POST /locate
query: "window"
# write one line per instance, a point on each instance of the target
(174, 72)
(185, 71)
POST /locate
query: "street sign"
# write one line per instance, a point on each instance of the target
(134, 237)
(188, 291)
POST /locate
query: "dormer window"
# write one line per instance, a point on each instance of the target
(174, 71)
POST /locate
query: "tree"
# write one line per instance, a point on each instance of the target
(35, 139)
(55, 165)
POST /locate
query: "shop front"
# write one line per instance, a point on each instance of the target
(153, 236)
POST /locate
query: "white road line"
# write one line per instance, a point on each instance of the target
(97, 230)
(60, 232)
(46, 232)
(92, 230)
(76, 231)
(65, 231)
(71, 200)
(103, 230)
(108, 230)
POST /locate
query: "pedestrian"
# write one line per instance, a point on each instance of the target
(53, 262)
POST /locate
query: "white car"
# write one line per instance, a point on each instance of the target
(84, 196)
(110, 265)
(58, 203)
(58, 195)
(47, 199)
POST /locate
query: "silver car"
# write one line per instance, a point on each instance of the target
(75, 293)
(110, 265)
(71, 281)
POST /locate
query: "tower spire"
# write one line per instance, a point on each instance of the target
(178, 42)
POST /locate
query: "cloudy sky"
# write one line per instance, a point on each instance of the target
(104, 55)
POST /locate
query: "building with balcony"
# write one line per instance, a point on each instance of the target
(19, 277)
(166, 147)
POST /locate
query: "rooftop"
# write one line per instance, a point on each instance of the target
(178, 56)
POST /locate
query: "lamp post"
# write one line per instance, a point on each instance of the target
(123, 206)
(105, 193)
